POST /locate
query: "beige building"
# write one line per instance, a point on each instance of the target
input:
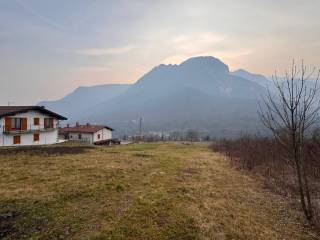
(92, 134)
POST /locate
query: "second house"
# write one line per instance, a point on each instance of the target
(92, 134)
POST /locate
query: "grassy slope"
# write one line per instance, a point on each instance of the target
(142, 191)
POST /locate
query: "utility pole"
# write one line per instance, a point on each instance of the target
(140, 127)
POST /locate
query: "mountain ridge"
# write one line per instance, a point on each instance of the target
(84, 97)
(200, 93)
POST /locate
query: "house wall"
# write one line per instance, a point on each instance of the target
(85, 137)
(104, 135)
(89, 137)
(45, 137)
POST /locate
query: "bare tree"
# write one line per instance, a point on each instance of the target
(290, 111)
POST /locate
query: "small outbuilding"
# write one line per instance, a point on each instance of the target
(91, 134)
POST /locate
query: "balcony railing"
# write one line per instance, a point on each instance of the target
(30, 129)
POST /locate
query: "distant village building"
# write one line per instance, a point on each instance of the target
(92, 134)
(28, 125)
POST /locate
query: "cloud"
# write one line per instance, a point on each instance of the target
(224, 55)
(196, 42)
(204, 37)
(93, 69)
(203, 44)
(33, 12)
(233, 53)
(175, 59)
(106, 51)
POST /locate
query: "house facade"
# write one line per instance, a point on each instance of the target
(91, 134)
(28, 125)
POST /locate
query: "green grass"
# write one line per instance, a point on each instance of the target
(141, 191)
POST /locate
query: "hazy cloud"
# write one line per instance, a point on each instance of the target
(106, 51)
(48, 48)
(93, 69)
(36, 14)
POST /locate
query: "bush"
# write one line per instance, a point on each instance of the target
(265, 157)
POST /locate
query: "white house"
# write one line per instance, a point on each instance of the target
(28, 125)
(92, 134)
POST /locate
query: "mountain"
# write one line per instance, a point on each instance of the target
(200, 93)
(206, 74)
(257, 78)
(81, 99)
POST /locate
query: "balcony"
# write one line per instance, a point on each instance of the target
(30, 129)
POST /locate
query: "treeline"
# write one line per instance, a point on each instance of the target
(188, 135)
(267, 158)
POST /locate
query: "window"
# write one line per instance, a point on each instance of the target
(36, 121)
(99, 136)
(7, 124)
(15, 123)
(16, 139)
(48, 123)
(36, 137)
(79, 136)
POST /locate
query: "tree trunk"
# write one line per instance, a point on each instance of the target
(301, 190)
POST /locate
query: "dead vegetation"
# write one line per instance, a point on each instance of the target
(264, 157)
(291, 113)
(140, 191)
(44, 150)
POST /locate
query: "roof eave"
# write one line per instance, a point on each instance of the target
(41, 109)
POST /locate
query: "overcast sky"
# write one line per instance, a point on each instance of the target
(50, 47)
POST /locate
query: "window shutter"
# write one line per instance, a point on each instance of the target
(7, 124)
(24, 124)
(36, 121)
(16, 139)
(46, 123)
(36, 137)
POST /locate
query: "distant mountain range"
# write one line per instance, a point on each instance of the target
(75, 104)
(200, 93)
(258, 78)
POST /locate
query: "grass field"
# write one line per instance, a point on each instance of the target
(140, 191)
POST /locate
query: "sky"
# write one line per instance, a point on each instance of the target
(48, 48)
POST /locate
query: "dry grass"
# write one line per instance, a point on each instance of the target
(140, 191)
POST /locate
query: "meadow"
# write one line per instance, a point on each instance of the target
(140, 191)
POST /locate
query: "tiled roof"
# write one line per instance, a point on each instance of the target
(12, 110)
(88, 128)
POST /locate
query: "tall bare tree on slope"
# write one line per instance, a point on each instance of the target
(290, 111)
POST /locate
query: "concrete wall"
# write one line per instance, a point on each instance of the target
(85, 137)
(45, 137)
(105, 134)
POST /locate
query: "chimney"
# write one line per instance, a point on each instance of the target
(68, 125)
(77, 124)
